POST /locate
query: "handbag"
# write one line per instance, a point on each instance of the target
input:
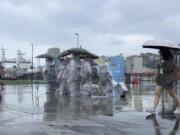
(156, 77)
(176, 72)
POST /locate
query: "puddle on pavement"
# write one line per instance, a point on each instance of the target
(27, 102)
(28, 99)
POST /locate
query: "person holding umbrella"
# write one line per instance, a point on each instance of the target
(164, 76)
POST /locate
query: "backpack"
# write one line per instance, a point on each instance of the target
(176, 72)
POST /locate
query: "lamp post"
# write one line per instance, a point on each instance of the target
(32, 62)
(77, 34)
(154, 63)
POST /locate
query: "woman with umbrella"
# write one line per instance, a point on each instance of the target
(164, 76)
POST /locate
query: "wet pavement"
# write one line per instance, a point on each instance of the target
(27, 110)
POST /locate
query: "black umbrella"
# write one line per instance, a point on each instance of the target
(44, 56)
(63, 54)
(78, 51)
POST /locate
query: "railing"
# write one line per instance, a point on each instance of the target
(15, 60)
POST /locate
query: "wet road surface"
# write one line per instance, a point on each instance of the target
(26, 110)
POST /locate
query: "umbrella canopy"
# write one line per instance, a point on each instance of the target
(90, 55)
(93, 56)
(43, 56)
(63, 54)
(78, 51)
(158, 44)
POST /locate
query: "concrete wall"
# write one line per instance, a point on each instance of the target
(138, 64)
(127, 67)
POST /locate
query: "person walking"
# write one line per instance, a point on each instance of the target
(165, 79)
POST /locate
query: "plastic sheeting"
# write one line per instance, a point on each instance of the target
(105, 79)
(119, 89)
(86, 77)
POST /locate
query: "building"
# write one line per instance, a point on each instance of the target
(145, 62)
(14, 67)
(140, 66)
(150, 60)
(117, 67)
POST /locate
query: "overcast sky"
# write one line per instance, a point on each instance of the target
(106, 27)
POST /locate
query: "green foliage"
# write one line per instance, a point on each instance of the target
(19, 82)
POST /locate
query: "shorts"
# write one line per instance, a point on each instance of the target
(166, 86)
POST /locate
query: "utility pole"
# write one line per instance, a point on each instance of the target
(2, 54)
(32, 62)
(77, 34)
(154, 63)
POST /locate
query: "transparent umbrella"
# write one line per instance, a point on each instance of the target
(158, 44)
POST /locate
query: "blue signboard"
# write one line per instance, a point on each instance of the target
(117, 68)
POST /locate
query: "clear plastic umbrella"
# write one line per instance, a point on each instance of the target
(158, 44)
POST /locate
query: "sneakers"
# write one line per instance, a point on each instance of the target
(177, 111)
(152, 111)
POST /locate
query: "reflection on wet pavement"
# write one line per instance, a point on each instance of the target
(48, 113)
(157, 127)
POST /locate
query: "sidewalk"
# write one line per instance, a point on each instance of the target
(24, 111)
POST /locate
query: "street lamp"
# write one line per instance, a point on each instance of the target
(32, 62)
(77, 34)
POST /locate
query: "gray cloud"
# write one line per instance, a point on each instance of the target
(104, 26)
